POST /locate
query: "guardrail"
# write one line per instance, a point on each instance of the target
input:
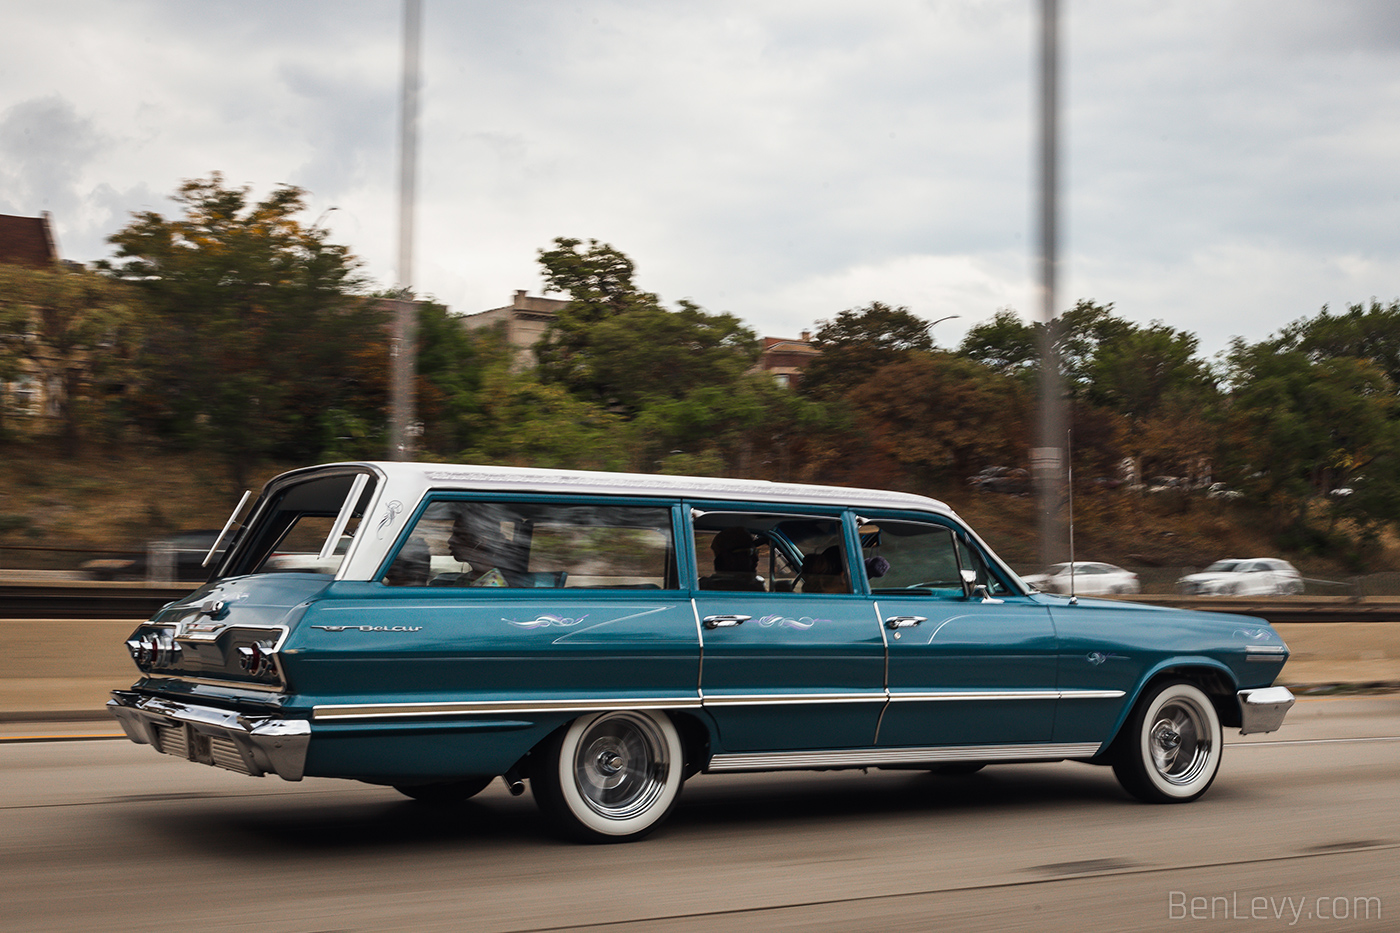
(86, 599)
(1287, 608)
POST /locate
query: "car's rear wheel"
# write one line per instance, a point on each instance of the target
(446, 792)
(1171, 746)
(609, 777)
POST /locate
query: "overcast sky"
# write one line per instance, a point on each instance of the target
(1229, 166)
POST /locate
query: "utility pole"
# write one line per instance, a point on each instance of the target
(1049, 458)
(403, 348)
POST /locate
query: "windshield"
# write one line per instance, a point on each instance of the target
(1223, 566)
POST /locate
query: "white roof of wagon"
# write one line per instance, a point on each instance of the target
(408, 478)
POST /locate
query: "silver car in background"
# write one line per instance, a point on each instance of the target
(1258, 576)
(1090, 578)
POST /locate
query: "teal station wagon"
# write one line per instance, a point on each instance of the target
(605, 636)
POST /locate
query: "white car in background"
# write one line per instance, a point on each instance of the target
(1091, 578)
(1259, 576)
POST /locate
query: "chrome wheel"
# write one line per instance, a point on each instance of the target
(621, 766)
(1179, 743)
(611, 776)
(1170, 749)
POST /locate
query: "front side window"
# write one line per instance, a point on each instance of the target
(535, 545)
(770, 553)
(901, 556)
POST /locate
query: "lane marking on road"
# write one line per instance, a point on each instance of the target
(60, 738)
(962, 889)
(1366, 738)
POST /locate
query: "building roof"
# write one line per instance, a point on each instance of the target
(26, 241)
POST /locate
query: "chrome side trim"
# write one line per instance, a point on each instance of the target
(945, 695)
(1263, 709)
(219, 737)
(1265, 652)
(496, 707)
(878, 757)
(587, 705)
(790, 699)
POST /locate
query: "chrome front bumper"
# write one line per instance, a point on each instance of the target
(249, 745)
(1263, 709)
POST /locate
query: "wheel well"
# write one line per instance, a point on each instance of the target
(695, 738)
(1213, 683)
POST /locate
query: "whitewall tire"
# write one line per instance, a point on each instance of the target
(610, 777)
(1171, 746)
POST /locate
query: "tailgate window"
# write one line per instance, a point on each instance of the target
(303, 526)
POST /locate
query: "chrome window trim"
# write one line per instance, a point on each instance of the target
(877, 757)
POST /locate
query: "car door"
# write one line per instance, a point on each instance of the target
(971, 661)
(791, 657)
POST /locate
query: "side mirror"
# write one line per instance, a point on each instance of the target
(974, 590)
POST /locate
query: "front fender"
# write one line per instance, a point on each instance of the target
(1211, 675)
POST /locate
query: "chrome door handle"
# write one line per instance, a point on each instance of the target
(725, 621)
(903, 621)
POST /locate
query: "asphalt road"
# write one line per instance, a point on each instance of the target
(1300, 831)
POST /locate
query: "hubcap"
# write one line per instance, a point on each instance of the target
(621, 765)
(1180, 742)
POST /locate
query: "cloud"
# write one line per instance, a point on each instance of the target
(1228, 168)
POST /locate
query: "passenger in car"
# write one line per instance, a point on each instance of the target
(487, 556)
(824, 572)
(736, 562)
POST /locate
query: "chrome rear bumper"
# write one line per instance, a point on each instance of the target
(1263, 709)
(249, 745)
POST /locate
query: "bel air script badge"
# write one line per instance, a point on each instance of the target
(369, 628)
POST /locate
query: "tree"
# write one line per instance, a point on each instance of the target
(615, 345)
(73, 332)
(1005, 343)
(258, 345)
(1140, 366)
(1370, 332)
(524, 422)
(858, 342)
(1298, 429)
(598, 281)
(451, 365)
(943, 416)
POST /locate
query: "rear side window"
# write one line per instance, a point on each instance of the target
(771, 553)
(536, 545)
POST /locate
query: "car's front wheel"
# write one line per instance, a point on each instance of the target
(1171, 746)
(609, 777)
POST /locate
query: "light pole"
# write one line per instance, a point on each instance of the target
(934, 324)
(1049, 457)
(403, 349)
